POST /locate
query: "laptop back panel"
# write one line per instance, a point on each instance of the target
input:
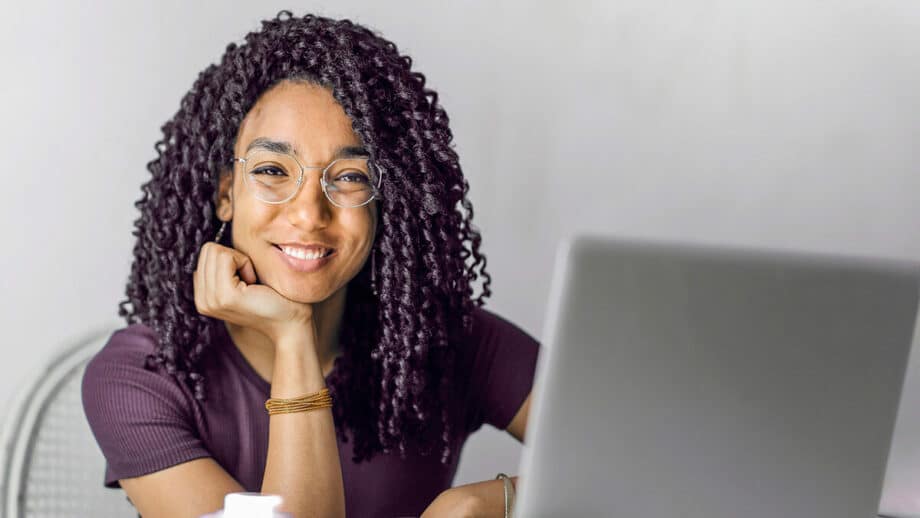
(704, 382)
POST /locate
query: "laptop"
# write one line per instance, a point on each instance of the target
(705, 382)
(901, 490)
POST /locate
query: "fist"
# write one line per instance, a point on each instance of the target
(226, 287)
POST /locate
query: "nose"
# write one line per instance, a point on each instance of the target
(309, 209)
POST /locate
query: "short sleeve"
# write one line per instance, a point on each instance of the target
(502, 365)
(142, 419)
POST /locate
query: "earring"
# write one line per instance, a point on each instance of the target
(220, 232)
(374, 272)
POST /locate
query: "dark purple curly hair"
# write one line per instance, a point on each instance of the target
(391, 386)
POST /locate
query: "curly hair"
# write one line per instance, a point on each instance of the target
(392, 383)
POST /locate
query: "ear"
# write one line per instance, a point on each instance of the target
(225, 195)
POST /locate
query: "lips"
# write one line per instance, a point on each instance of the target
(306, 252)
(305, 259)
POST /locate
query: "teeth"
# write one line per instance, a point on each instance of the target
(300, 253)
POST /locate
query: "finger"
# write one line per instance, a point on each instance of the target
(211, 274)
(232, 266)
(198, 279)
(226, 284)
(243, 265)
(248, 273)
(199, 265)
(196, 289)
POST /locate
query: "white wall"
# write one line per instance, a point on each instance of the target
(767, 123)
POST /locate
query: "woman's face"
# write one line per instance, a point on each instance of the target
(307, 118)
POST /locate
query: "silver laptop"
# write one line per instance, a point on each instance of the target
(704, 382)
(901, 490)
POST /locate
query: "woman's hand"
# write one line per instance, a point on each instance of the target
(225, 288)
(459, 502)
(478, 500)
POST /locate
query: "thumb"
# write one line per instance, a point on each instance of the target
(243, 265)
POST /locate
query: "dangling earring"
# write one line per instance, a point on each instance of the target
(374, 272)
(220, 232)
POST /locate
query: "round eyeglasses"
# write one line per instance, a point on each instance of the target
(276, 178)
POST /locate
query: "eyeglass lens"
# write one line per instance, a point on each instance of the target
(349, 182)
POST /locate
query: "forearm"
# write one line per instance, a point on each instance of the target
(484, 499)
(303, 460)
(495, 496)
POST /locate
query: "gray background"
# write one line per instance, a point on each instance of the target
(789, 124)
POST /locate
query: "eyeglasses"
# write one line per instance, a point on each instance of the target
(276, 178)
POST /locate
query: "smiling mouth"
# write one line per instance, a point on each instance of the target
(305, 255)
(305, 260)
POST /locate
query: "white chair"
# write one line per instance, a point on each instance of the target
(52, 466)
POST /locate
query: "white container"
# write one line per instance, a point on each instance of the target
(249, 505)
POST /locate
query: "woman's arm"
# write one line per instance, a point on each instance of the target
(303, 461)
(303, 458)
(302, 465)
(518, 426)
(484, 499)
(190, 489)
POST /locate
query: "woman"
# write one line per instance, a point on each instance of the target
(300, 311)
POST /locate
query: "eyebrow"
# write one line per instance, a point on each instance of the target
(280, 146)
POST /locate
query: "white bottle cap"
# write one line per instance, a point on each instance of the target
(250, 505)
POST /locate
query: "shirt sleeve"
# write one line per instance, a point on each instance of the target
(503, 364)
(142, 419)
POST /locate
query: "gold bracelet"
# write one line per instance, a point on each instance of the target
(316, 401)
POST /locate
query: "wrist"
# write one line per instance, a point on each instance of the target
(294, 336)
(463, 501)
(508, 491)
(296, 369)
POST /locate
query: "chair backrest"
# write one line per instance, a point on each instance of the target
(52, 465)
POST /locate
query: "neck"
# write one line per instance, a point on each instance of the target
(259, 350)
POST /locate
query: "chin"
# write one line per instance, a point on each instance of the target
(304, 294)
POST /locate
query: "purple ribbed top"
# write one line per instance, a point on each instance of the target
(146, 421)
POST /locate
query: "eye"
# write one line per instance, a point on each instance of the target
(269, 170)
(352, 177)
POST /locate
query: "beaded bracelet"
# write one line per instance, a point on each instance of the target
(316, 401)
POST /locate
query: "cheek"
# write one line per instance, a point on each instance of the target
(373, 213)
(370, 228)
(249, 220)
(360, 223)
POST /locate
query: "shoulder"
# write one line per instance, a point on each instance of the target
(117, 377)
(490, 331)
(497, 362)
(128, 346)
(487, 319)
(143, 419)
(121, 359)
